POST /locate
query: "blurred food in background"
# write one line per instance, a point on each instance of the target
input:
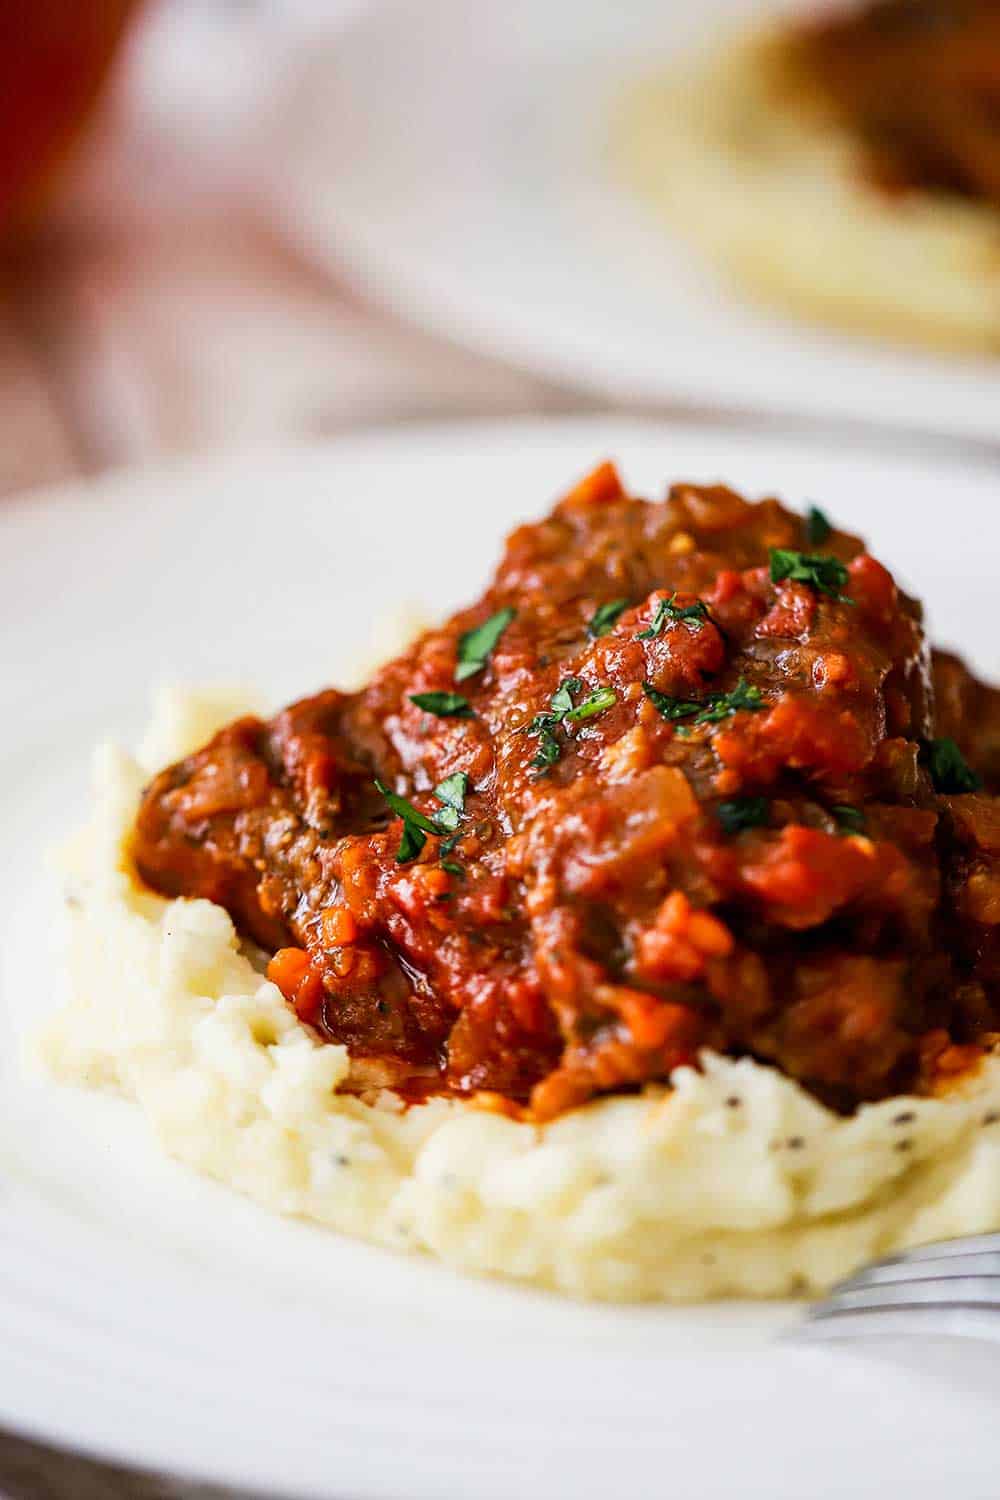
(917, 84)
(845, 165)
(54, 57)
(571, 224)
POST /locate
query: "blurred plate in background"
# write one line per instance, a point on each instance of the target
(455, 158)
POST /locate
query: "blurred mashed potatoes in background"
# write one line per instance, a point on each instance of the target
(844, 166)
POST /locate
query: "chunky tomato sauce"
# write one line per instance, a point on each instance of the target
(680, 779)
(918, 84)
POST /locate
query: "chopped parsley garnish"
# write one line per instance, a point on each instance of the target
(405, 810)
(605, 616)
(476, 646)
(410, 844)
(848, 819)
(561, 710)
(743, 812)
(549, 749)
(744, 697)
(595, 703)
(693, 615)
(818, 528)
(417, 825)
(453, 868)
(562, 699)
(671, 708)
(451, 792)
(825, 574)
(950, 772)
(444, 705)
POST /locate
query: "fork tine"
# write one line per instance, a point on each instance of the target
(941, 1249)
(930, 1320)
(932, 1291)
(897, 1270)
(949, 1287)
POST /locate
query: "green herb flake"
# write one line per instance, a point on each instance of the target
(670, 708)
(595, 703)
(476, 646)
(743, 812)
(562, 699)
(561, 710)
(444, 705)
(825, 574)
(743, 698)
(950, 772)
(453, 868)
(848, 819)
(451, 792)
(405, 810)
(818, 527)
(549, 750)
(605, 616)
(411, 843)
(693, 615)
(417, 825)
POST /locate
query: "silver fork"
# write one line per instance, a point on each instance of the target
(952, 1287)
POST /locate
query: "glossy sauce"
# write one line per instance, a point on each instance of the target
(713, 824)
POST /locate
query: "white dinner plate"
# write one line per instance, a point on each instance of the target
(153, 1316)
(455, 157)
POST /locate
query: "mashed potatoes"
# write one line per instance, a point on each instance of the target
(735, 1181)
(774, 195)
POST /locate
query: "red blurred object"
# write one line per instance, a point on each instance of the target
(54, 57)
